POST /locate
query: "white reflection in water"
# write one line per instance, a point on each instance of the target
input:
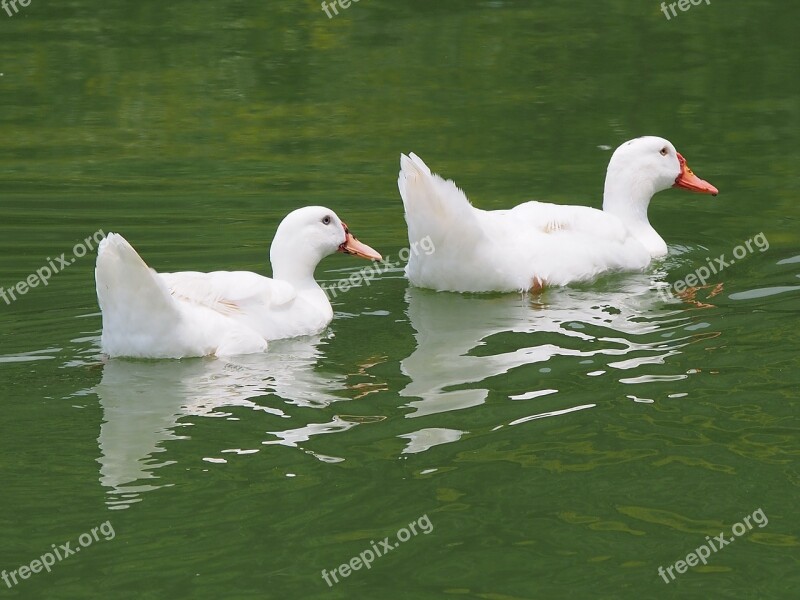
(144, 401)
(451, 329)
(425, 439)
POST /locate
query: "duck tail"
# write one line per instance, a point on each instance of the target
(134, 302)
(434, 207)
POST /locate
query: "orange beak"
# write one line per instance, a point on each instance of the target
(352, 246)
(689, 181)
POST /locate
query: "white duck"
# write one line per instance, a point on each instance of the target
(536, 244)
(174, 315)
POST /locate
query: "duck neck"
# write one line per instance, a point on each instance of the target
(295, 265)
(628, 199)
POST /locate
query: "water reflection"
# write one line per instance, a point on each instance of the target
(463, 341)
(630, 324)
(144, 402)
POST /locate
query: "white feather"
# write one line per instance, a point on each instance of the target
(175, 315)
(535, 244)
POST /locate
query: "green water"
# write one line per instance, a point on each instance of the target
(561, 446)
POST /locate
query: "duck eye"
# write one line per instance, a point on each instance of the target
(326, 220)
(664, 151)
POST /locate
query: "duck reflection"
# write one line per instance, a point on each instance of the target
(144, 402)
(451, 328)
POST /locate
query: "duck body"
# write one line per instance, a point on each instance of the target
(527, 247)
(174, 315)
(537, 244)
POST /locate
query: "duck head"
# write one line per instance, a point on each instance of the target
(653, 163)
(639, 169)
(306, 236)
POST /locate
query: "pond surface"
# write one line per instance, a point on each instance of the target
(562, 445)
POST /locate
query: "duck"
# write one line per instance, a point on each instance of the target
(535, 245)
(147, 314)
